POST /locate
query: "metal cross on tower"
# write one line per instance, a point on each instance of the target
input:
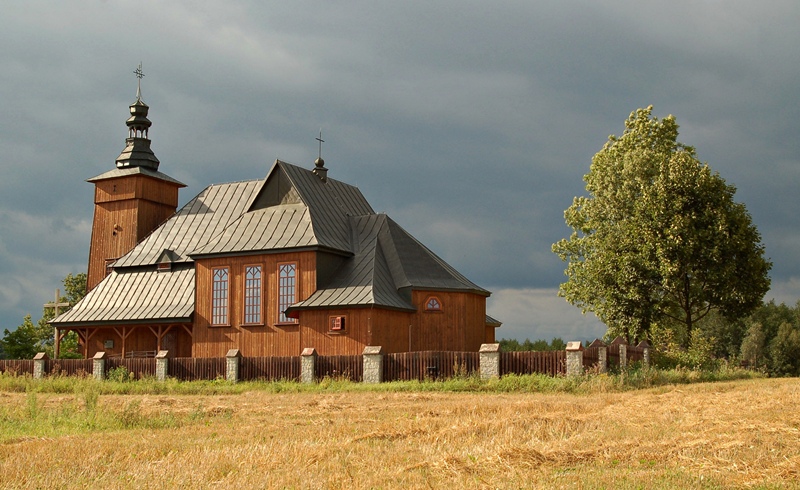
(56, 304)
(139, 74)
(320, 143)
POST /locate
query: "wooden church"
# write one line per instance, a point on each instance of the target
(268, 266)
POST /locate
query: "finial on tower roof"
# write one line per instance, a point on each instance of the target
(139, 74)
(320, 170)
(137, 152)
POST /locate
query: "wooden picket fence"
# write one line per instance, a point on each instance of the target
(269, 368)
(138, 367)
(17, 366)
(196, 368)
(409, 366)
(340, 367)
(405, 366)
(552, 363)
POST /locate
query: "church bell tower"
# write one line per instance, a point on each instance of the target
(131, 200)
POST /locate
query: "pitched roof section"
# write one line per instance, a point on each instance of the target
(415, 265)
(293, 208)
(122, 172)
(205, 216)
(388, 261)
(136, 296)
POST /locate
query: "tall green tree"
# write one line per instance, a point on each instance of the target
(30, 338)
(659, 238)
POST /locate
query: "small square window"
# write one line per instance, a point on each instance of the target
(337, 323)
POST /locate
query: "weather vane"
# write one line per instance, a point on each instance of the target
(320, 143)
(139, 74)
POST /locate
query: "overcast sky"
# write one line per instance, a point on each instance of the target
(471, 124)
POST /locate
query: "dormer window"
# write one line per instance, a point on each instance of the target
(110, 265)
(433, 304)
(164, 266)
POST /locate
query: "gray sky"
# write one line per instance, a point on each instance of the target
(470, 123)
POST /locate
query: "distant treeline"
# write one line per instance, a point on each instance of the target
(514, 345)
(768, 340)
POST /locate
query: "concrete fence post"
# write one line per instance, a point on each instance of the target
(39, 365)
(373, 364)
(489, 361)
(623, 356)
(99, 365)
(232, 361)
(602, 355)
(645, 346)
(574, 358)
(308, 360)
(162, 365)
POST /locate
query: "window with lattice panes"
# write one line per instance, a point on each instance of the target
(219, 296)
(337, 323)
(252, 294)
(287, 290)
(433, 304)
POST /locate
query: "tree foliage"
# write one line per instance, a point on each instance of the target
(514, 345)
(30, 338)
(659, 239)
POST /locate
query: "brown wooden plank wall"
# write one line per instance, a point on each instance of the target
(551, 363)
(269, 339)
(16, 366)
(137, 205)
(459, 326)
(269, 368)
(409, 366)
(197, 368)
(388, 329)
(348, 367)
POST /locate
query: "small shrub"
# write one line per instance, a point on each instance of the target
(120, 375)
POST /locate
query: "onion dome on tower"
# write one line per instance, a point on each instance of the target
(137, 152)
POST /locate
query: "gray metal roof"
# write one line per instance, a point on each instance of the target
(293, 208)
(388, 262)
(204, 217)
(136, 296)
(122, 172)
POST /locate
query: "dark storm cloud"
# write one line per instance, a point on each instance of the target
(470, 123)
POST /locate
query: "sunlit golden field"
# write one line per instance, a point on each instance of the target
(727, 434)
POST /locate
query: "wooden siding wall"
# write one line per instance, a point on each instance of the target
(459, 326)
(268, 339)
(489, 335)
(137, 205)
(136, 187)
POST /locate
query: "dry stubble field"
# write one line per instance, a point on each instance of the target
(711, 435)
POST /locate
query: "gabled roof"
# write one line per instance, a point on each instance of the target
(293, 208)
(135, 297)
